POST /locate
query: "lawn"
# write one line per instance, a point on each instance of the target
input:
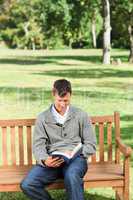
(26, 78)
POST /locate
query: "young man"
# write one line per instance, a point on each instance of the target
(61, 128)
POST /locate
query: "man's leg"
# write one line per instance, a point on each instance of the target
(37, 179)
(73, 178)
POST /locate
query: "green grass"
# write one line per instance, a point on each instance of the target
(26, 78)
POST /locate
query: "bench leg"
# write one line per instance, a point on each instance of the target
(126, 193)
(119, 194)
(122, 193)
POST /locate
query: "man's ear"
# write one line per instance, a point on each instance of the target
(53, 92)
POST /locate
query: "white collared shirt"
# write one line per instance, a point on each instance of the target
(59, 118)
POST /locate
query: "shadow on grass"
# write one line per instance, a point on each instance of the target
(33, 60)
(127, 133)
(88, 73)
(48, 59)
(57, 195)
(25, 94)
(34, 94)
(61, 195)
(96, 197)
(25, 61)
(101, 95)
(115, 84)
(127, 118)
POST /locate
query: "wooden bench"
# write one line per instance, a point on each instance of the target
(106, 169)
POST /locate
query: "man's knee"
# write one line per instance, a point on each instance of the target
(72, 178)
(25, 185)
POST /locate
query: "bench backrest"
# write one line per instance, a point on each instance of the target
(16, 140)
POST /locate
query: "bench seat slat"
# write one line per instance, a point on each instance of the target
(60, 185)
(96, 172)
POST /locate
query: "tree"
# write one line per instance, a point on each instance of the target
(55, 18)
(85, 22)
(95, 9)
(122, 12)
(106, 32)
(130, 30)
(46, 24)
(35, 24)
(20, 29)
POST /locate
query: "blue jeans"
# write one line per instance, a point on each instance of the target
(39, 177)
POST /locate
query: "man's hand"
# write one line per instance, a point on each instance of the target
(53, 162)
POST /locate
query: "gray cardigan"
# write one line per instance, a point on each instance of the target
(49, 136)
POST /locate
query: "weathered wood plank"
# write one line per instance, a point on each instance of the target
(101, 142)
(21, 145)
(109, 141)
(13, 145)
(29, 145)
(17, 122)
(4, 146)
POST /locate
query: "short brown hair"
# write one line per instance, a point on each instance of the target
(62, 87)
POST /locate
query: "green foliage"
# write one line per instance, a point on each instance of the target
(54, 21)
(81, 21)
(52, 24)
(48, 23)
(21, 27)
(122, 17)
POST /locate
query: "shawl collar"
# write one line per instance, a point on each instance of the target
(49, 118)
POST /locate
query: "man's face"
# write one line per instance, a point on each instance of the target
(61, 103)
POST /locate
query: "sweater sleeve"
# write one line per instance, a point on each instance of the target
(39, 142)
(88, 136)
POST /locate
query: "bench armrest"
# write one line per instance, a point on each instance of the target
(127, 151)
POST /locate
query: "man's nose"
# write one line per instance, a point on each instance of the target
(63, 104)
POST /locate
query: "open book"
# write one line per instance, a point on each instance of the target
(67, 158)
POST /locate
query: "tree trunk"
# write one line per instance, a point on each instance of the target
(33, 44)
(130, 30)
(4, 6)
(7, 4)
(106, 33)
(25, 27)
(93, 29)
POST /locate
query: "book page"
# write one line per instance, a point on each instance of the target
(76, 149)
(69, 156)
